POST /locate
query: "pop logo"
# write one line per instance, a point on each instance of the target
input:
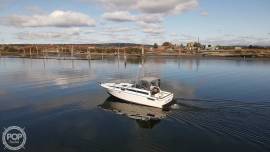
(14, 138)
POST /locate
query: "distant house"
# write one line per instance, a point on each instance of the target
(190, 46)
(193, 46)
(238, 48)
(91, 47)
(211, 47)
(170, 50)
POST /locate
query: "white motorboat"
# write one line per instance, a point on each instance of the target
(146, 91)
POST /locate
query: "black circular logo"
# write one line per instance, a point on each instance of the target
(14, 138)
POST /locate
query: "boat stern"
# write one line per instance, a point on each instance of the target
(166, 100)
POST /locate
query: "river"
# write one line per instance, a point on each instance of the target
(222, 104)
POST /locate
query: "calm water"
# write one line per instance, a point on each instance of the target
(222, 105)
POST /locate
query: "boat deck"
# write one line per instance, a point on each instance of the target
(129, 87)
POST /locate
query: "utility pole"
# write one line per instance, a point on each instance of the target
(58, 52)
(125, 53)
(46, 53)
(2, 48)
(43, 53)
(102, 53)
(30, 52)
(89, 53)
(125, 58)
(62, 50)
(118, 50)
(142, 51)
(37, 49)
(72, 51)
(23, 52)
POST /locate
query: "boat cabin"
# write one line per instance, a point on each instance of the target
(151, 84)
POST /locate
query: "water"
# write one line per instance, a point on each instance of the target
(221, 105)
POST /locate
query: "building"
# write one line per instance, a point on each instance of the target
(193, 46)
(238, 48)
(211, 47)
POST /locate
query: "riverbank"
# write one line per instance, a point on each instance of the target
(92, 52)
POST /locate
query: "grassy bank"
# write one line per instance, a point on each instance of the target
(68, 51)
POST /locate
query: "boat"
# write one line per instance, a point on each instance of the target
(146, 91)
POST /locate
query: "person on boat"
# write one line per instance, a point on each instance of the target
(154, 90)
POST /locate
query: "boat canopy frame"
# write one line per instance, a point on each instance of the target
(146, 82)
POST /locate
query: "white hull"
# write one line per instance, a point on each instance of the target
(158, 100)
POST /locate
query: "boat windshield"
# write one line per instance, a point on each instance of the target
(147, 82)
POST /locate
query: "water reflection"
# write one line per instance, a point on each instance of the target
(56, 101)
(146, 117)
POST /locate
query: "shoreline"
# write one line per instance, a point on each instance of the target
(106, 56)
(95, 53)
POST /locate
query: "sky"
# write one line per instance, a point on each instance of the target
(217, 22)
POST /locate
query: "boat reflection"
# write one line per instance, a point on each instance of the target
(146, 117)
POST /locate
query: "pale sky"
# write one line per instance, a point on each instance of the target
(219, 22)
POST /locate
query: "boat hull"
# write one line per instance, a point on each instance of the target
(140, 99)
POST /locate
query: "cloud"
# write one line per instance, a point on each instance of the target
(117, 29)
(166, 7)
(238, 40)
(125, 16)
(32, 36)
(119, 16)
(120, 34)
(156, 6)
(144, 17)
(123, 37)
(185, 5)
(148, 6)
(147, 14)
(204, 13)
(67, 34)
(114, 34)
(154, 31)
(57, 18)
(149, 23)
(151, 28)
(173, 34)
(90, 31)
(114, 5)
(151, 18)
